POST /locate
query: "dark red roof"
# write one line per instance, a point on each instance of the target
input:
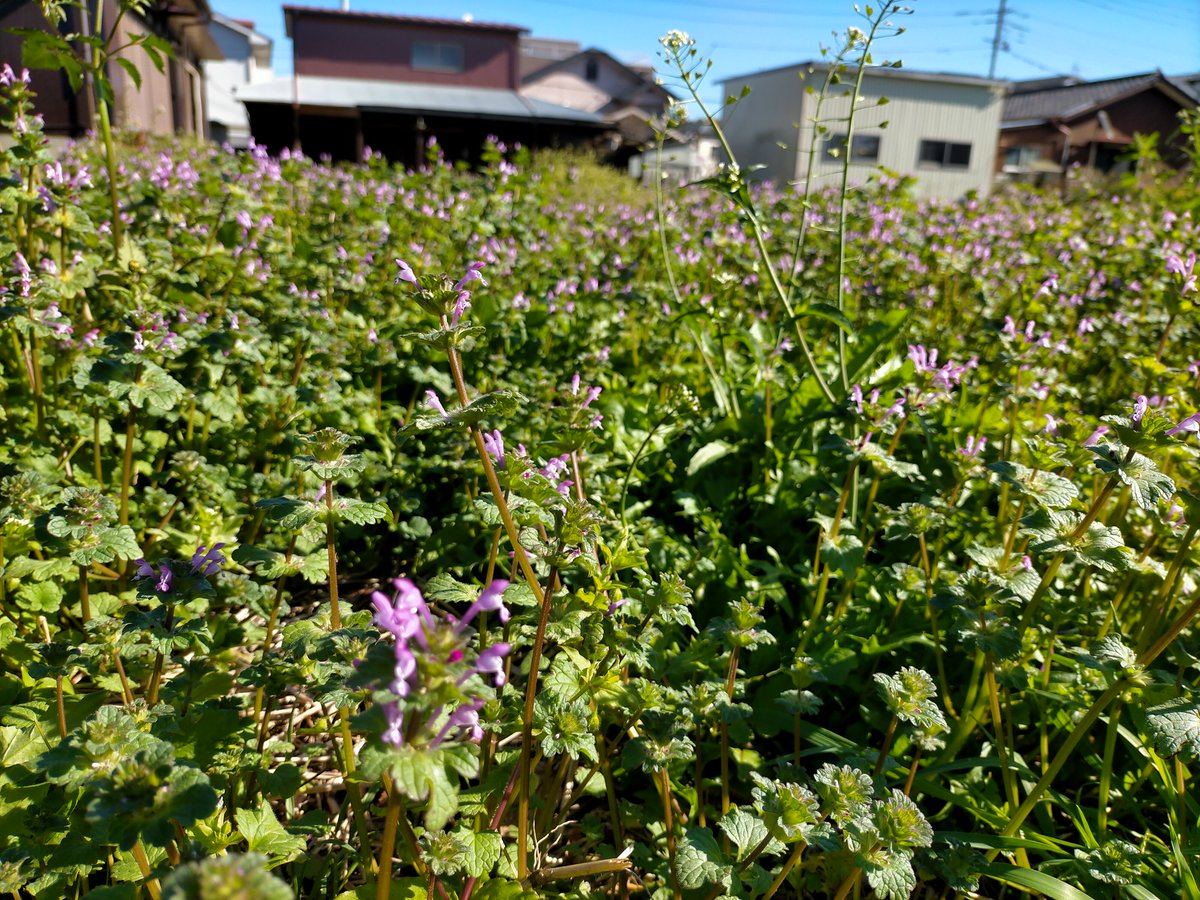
(290, 10)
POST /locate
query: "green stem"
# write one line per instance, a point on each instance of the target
(127, 459)
(793, 858)
(730, 682)
(510, 527)
(535, 659)
(387, 847)
(888, 737)
(335, 615)
(669, 824)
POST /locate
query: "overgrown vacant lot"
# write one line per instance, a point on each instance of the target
(703, 584)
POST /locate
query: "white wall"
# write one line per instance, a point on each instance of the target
(223, 77)
(761, 127)
(916, 110)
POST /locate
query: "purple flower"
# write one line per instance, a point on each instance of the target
(1139, 409)
(394, 733)
(1094, 438)
(165, 578)
(490, 600)
(592, 394)
(206, 561)
(434, 403)
(472, 274)
(461, 304)
(491, 662)
(1186, 271)
(973, 447)
(1190, 425)
(494, 444)
(406, 273)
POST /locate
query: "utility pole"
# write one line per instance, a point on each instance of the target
(998, 37)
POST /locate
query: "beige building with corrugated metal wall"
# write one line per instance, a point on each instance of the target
(940, 129)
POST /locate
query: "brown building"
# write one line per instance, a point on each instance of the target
(392, 82)
(627, 97)
(168, 102)
(1052, 124)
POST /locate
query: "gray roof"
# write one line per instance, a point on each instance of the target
(882, 72)
(1029, 106)
(396, 96)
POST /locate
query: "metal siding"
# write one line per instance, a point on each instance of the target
(756, 124)
(916, 111)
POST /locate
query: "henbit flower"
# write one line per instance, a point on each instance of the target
(208, 561)
(856, 397)
(434, 403)
(1140, 405)
(491, 662)
(461, 304)
(592, 394)
(1186, 271)
(575, 385)
(491, 599)
(493, 443)
(1094, 438)
(472, 274)
(406, 273)
(1190, 425)
(973, 447)
(1051, 425)
(165, 578)
(394, 733)
(464, 717)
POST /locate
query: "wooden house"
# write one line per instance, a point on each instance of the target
(171, 101)
(392, 82)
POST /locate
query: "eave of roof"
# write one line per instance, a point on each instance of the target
(426, 21)
(410, 97)
(596, 51)
(882, 72)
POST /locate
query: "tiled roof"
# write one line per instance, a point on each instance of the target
(451, 100)
(289, 10)
(1074, 100)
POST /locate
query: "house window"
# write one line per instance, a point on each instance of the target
(434, 57)
(944, 154)
(591, 70)
(863, 149)
(1021, 157)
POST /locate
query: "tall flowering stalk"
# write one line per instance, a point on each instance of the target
(435, 685)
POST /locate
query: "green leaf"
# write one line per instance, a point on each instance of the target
(130, 69)
(746, 831)
(1038, 883)
(497, 404)
(707, 455)
(40, 597)
(889, 872)
(1175, 727)
(264, 834)
(1042, 488)
(1147, 485)
(481, 850)
(843, 553)
(288, 512)
(829, 313)
(359, 512)
(699, 861)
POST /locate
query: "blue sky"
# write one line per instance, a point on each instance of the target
(1090, 38)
